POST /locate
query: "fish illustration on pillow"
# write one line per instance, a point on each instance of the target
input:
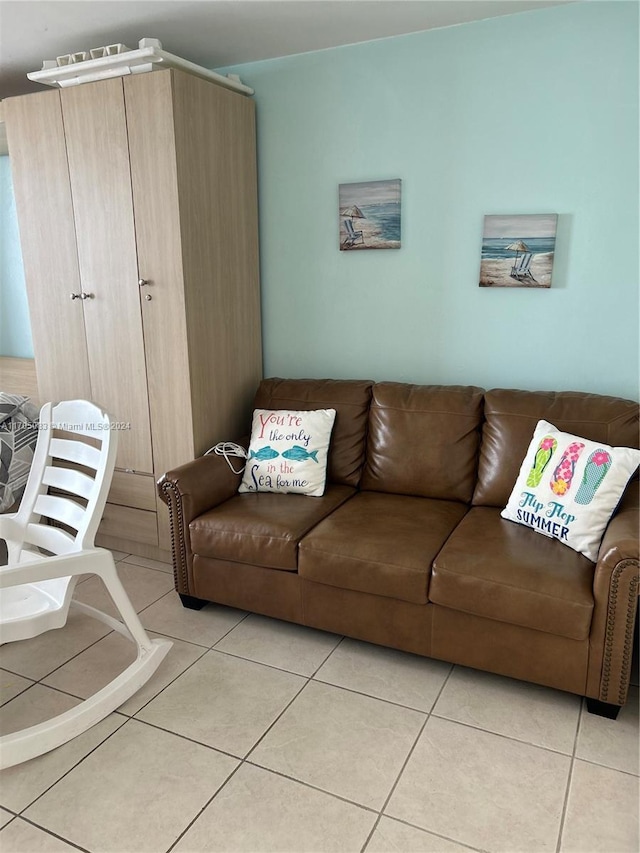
(299, 454)
(545, 451)
(594, 473)
(263, 454)
(562, 477)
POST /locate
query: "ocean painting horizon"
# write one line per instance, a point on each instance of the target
(518, 251)
(369, 215)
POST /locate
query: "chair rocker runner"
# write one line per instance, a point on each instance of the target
(44, 562)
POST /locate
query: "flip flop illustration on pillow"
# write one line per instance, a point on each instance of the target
(545, 451)
(563, 475)
(594, 473)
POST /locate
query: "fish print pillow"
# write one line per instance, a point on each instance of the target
(288, 452)
(569, 487)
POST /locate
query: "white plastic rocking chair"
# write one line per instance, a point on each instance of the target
(44, 562)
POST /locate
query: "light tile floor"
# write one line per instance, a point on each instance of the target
(257, 735)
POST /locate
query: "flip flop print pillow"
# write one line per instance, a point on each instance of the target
(568, 487)
(288, 451)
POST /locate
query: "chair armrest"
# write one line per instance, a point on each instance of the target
(615, 591)
(189, 491)
(89, 561)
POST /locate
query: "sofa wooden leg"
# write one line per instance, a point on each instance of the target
(191, 602)
(602, 709)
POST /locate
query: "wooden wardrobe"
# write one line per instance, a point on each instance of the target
(137, 208)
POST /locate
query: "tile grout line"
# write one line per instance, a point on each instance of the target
(371, 696)
(273, 666)
(243, 760)
(127, 562)
(49, 832)
(205, 649)
(66, 773)
(160, 728)
(253, 763)
(204, 807)
(24, 689)
(335, 648)
(511, 738)
(565, 802)
(312, 787)
(64, 663)
(434, 833)
(279, 717)
(607, 767)
(405, 762)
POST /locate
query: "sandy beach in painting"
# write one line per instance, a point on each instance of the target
(496, 272)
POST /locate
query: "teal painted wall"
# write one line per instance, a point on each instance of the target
(15, 329)
(532, 113)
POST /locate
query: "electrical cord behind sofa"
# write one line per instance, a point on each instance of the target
(229, 449)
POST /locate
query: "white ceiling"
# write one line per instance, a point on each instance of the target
(215, 33)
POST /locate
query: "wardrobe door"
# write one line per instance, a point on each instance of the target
(45, 214)
(98, 154)
(149, 105)
(217, 185)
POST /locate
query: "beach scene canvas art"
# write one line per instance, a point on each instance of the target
(369, 214)
(517, 251)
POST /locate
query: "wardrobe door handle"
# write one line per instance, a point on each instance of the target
(76, 296)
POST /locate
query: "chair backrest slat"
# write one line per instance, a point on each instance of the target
(50, 538)
(80, 418)
(75, 451)
(69, 480)
(60, 509)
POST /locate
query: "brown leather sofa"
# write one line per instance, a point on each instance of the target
(407, 547)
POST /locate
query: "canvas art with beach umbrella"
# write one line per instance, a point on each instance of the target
(369, 215)
(517, 251)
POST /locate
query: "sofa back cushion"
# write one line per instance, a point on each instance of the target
(511, 417)
(350, 398)
(423, 440)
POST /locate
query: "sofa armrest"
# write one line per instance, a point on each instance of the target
(615, 592)
(620, 540)
(189, 491)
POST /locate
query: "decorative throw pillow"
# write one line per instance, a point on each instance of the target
(568, 487)
(18, 436)
(288, 451)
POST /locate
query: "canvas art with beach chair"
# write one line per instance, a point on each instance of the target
(369, 215)
(517, 251)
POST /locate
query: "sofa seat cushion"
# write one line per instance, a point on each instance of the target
(500, 570)
(380, 544)
(262, 529)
